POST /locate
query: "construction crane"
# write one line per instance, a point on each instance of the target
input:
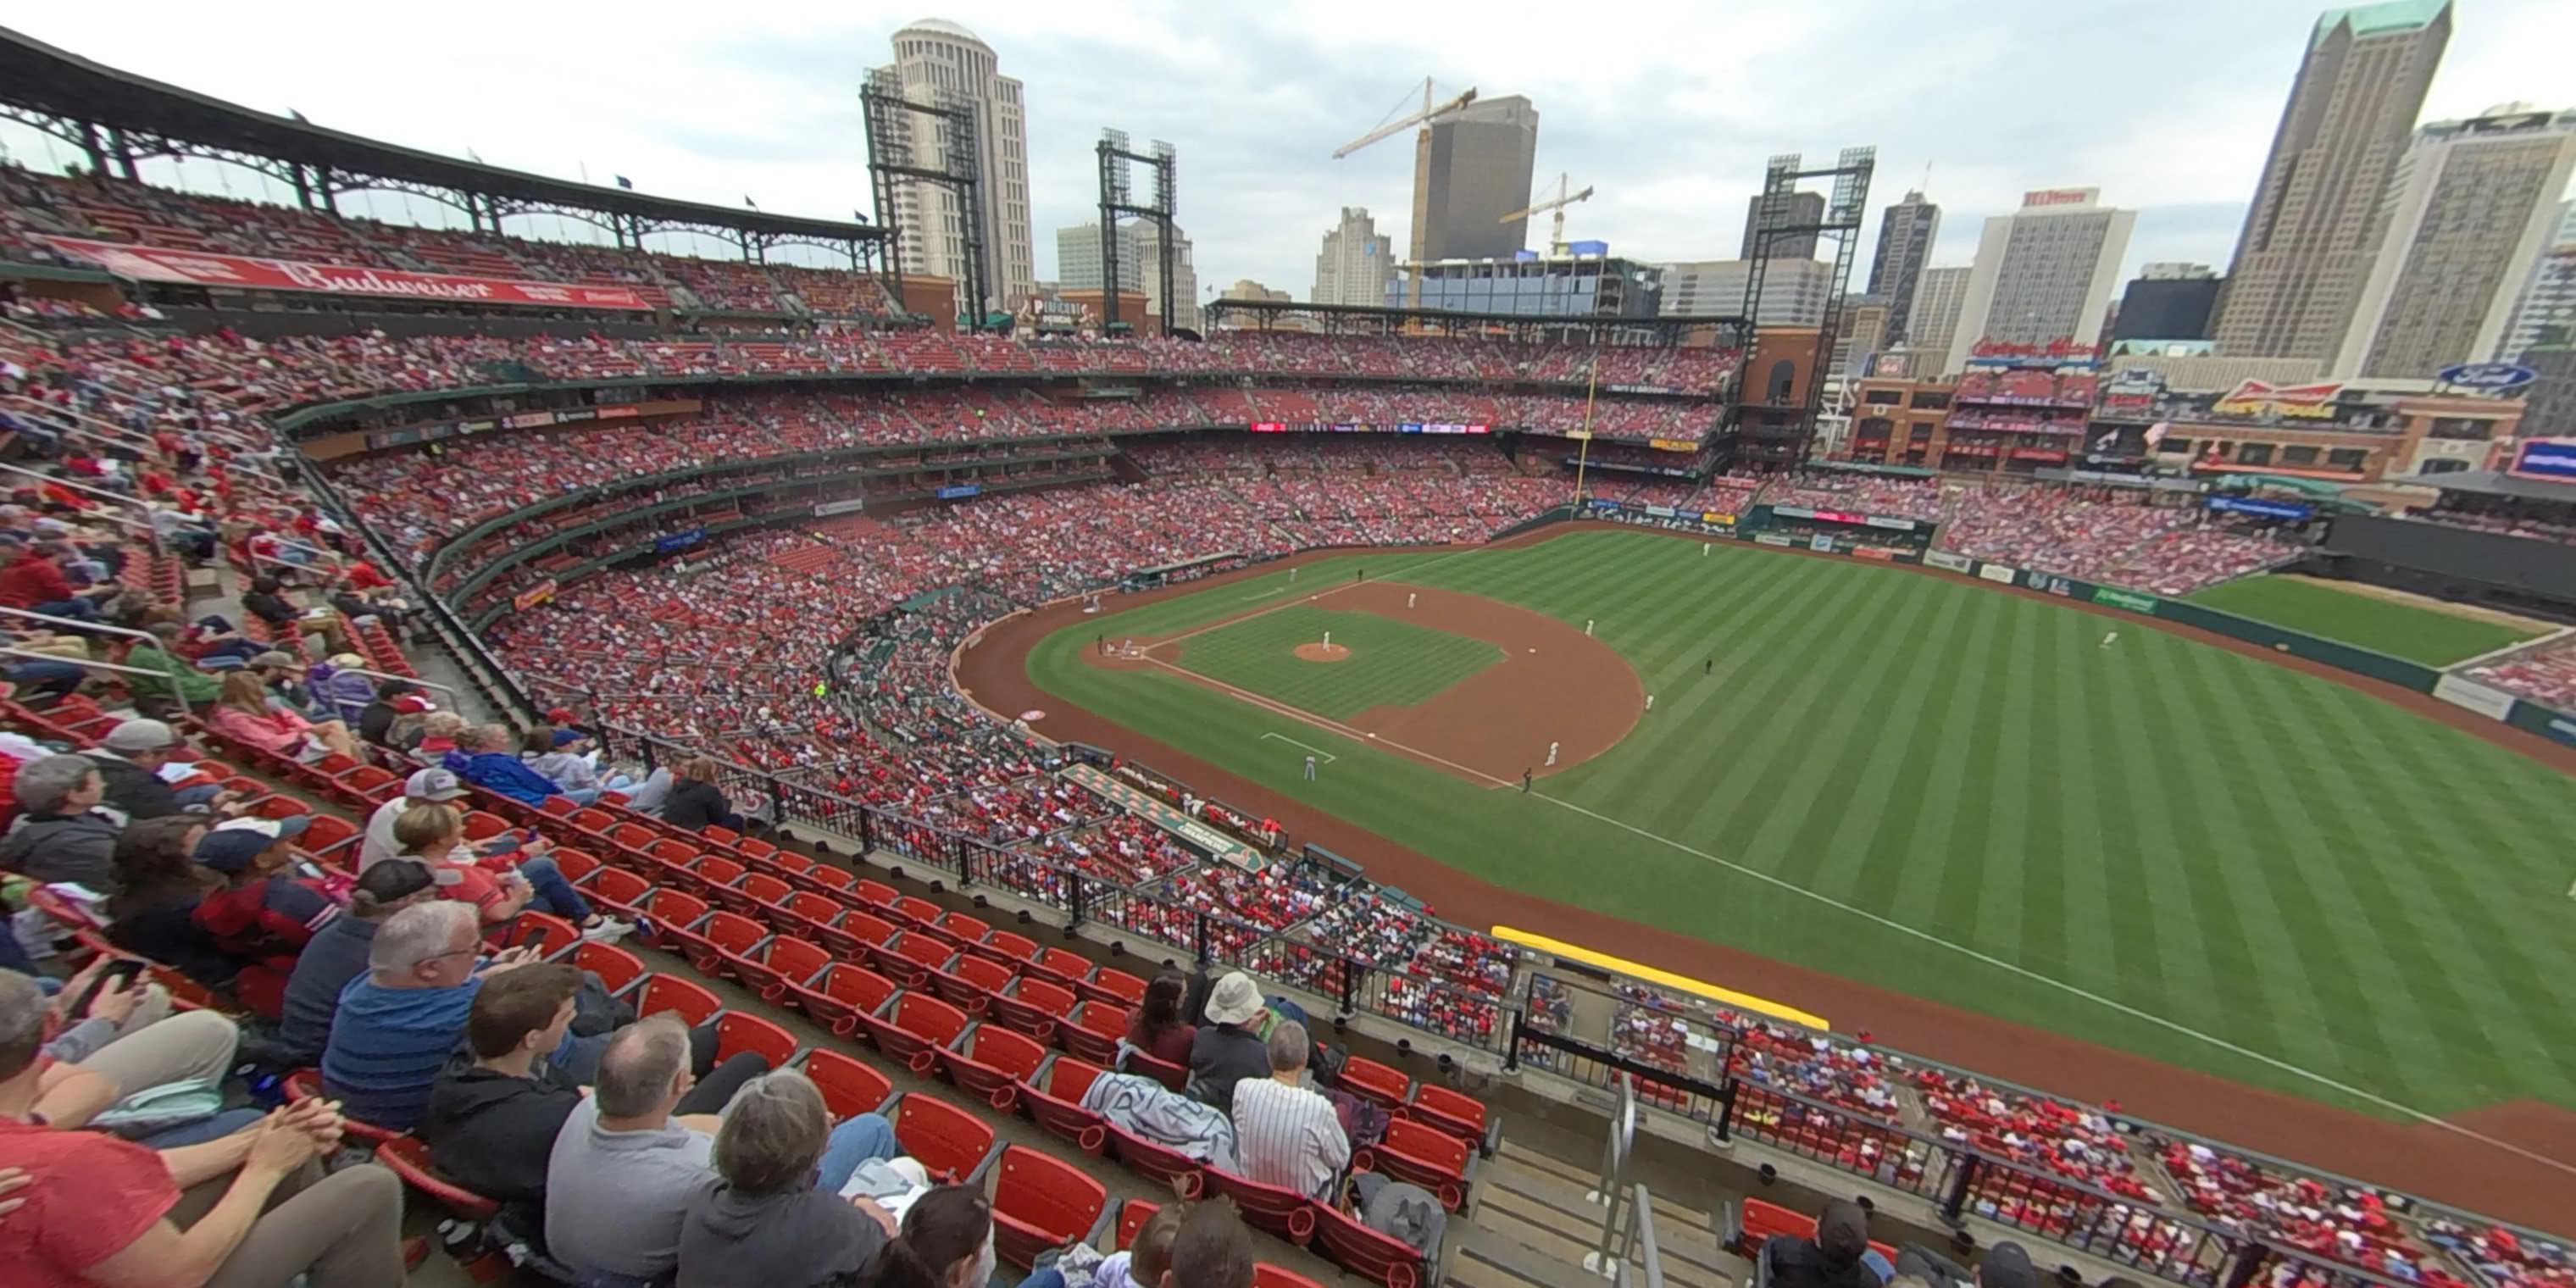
(1423, 120)
(1558, 203)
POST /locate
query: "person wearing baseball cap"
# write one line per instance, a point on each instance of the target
(262, 914)
(130, 758)
(2005, 1265)
(339, 950)
(426, 787)
(1832, 1259)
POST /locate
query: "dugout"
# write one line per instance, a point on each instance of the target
(1844, 532)
(2493, 540)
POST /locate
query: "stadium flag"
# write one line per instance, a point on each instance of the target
(746, 200)
(626, 183)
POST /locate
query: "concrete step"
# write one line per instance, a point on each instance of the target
(1544, 1206)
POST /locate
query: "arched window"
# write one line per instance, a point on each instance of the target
(1784, 374)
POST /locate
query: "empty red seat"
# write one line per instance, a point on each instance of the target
(763, 896)
(730, 938)
(917, 910)
(1095, 1031)
(1054, 1099)
(1375, 1082)
(1424, 1155)
(670, 921)
(842, 995)
(1009, 946)
(913, 956)
(991, 1063)
(911, 1028)
(1168, 1169)
(849, 1088)
(774, 967)
(858, 936)
(1035, 1007)
(965, 928)
(1116, 987)
(874, 893)
(615, 966)
(685, 998)
(1041, 1203)
(1455, 1112)
(619, 892)
(717, 876)
(1132, 1216)
(970, 982)
(948, 1141)
(1266, 1275)
(739, 1031)
(1061, 966)
(1279, 1210)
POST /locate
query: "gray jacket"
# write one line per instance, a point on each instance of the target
(79, 848)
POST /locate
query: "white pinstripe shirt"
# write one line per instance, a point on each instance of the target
(1289, 1137)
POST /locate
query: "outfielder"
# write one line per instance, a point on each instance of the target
(1551, 753)
(1310, 769)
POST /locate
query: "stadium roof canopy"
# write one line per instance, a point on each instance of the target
(117, 116)
(2496, 483)
(1374, 319)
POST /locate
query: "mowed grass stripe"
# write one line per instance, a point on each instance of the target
(2413, 632)
(2168, 853)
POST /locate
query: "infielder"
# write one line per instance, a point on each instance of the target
(1310, 769)
(1551, 753)
(1409, 598)
(1650, 702)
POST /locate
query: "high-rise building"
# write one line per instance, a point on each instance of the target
(1477, 171)
(1934, 316)
(2043, 272)
(1245, 289)
(1077, 258)
(940, 63)
(2167, 301)
(1577, 285)
(2547, 309)
(1355, 264)
(1862, 336)
(1149, 272)
(2471, 205)
(1794, 291)
(1797, 210)
(1906, 232)
(2318, 214)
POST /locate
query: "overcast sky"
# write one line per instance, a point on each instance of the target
(1668, 109)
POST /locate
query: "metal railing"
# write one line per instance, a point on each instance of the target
(177, 693)
(1609, 1247)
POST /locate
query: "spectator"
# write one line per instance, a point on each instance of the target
(398, 1023)
(564, 757)
(154, 909)
(392, 721)
(946, 1241)
(130, 759)
(99, 1210)
(1212, 1249)
(179, 685)
(37, 581)
(1226, 1050)
(695, 802)
(283, 673)
(484, 757)
(1144, 1262)
(338, 954)
(61, 835)
(1285, 1134)
(439, 731)
(266, 600)
(1830, 1260)
(761, 1219)
(499, 886)
(426, 787)
(259, 913)
(2005, 1265)
(243, 714)
(127, 1040)
(1157, 1029)
(341, 688)
(491, 1123)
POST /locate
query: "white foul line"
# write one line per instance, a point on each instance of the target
(1326, 756)
(1237, 621)
(2403, 1110)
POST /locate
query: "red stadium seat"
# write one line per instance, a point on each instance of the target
(1035, 1007)
(849, 1088)
(1266, 1275)
(1009, 947)
(1116, 987)
(408, 1158)
(1062, 966)
(991, 1063)
(1169, 1170)
(1175, 1078)
(546, 935)
(971, 982)
(738, 1032)
(620, 893)
(1353, 1246)
(689, 1000)
(1423, 1155)
(670, 921)
(732, 937)
(1280, 1211)
(1132, 1216)
(1095, 1031)
(842, 995)
(911, 1027)
(1041, 1203)
(772, 968)
(1054, 1100)
(1374, 1082)
(615, 966)
(1455, 1112)
(948, 1141)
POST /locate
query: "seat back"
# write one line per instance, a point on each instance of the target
(948, 1141)
(1116, 986)
(1132, 1217)
(965, 928)
(685, 998)
(1355, 1247)
(1014, 1054)
(1376, 1082)
(1277, 1209)
(1266, 1275)
(615, 966)
(1040, 1203)
(1175, 1078)
(1011, 945)
(791, 961)
(849, 1087)
(926, 1017)
(732, 932)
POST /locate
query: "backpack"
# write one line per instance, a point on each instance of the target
(1401, 1211)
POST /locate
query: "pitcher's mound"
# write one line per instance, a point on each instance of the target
(1323, 652)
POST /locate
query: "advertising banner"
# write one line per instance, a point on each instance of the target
(1821, 543)
(1945, 560)
(829, 508)
(1718, 518)
(679, 540)
(960, 490)
(2053, 585)
(2486, 700)
(1773, 539)
(534, 595)
(2130, 600)
(1999, 574)
(1898, 525)
(1875, 552)
(1672, 444)
(243, 272)
(2546, 458)
(1662, 511)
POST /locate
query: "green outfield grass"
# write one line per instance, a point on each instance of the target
(1392, 663)
(2425, 635)
(1935, 787)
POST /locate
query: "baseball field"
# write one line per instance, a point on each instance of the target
(1919, 782)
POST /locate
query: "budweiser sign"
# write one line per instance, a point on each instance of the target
(242, 272)
(2255, 397)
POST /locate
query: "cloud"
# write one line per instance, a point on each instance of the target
(1668, 110)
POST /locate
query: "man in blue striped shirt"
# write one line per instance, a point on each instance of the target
(398, 1024)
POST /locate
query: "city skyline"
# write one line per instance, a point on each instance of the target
(1674, 142)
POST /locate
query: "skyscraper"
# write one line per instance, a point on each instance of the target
(1149, 272)
(1934, 317)
(1355, 264)
(1801, 209)
(939, 62)
(2043, 273)
(2167, 301)
(2548, 305)
(1077, 258)
(1477, 171)
(1906, 231)
(1794, 291)
(2317, 216)
(2472, 204)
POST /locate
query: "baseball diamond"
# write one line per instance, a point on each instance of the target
(2173, 848)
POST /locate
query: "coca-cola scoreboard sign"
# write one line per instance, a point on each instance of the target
(250, 273)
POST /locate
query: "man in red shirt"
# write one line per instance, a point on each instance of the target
(250, 1209)
(35, 581)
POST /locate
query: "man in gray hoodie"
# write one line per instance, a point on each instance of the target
(761, 1219)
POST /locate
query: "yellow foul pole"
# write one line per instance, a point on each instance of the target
(1591, 391)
